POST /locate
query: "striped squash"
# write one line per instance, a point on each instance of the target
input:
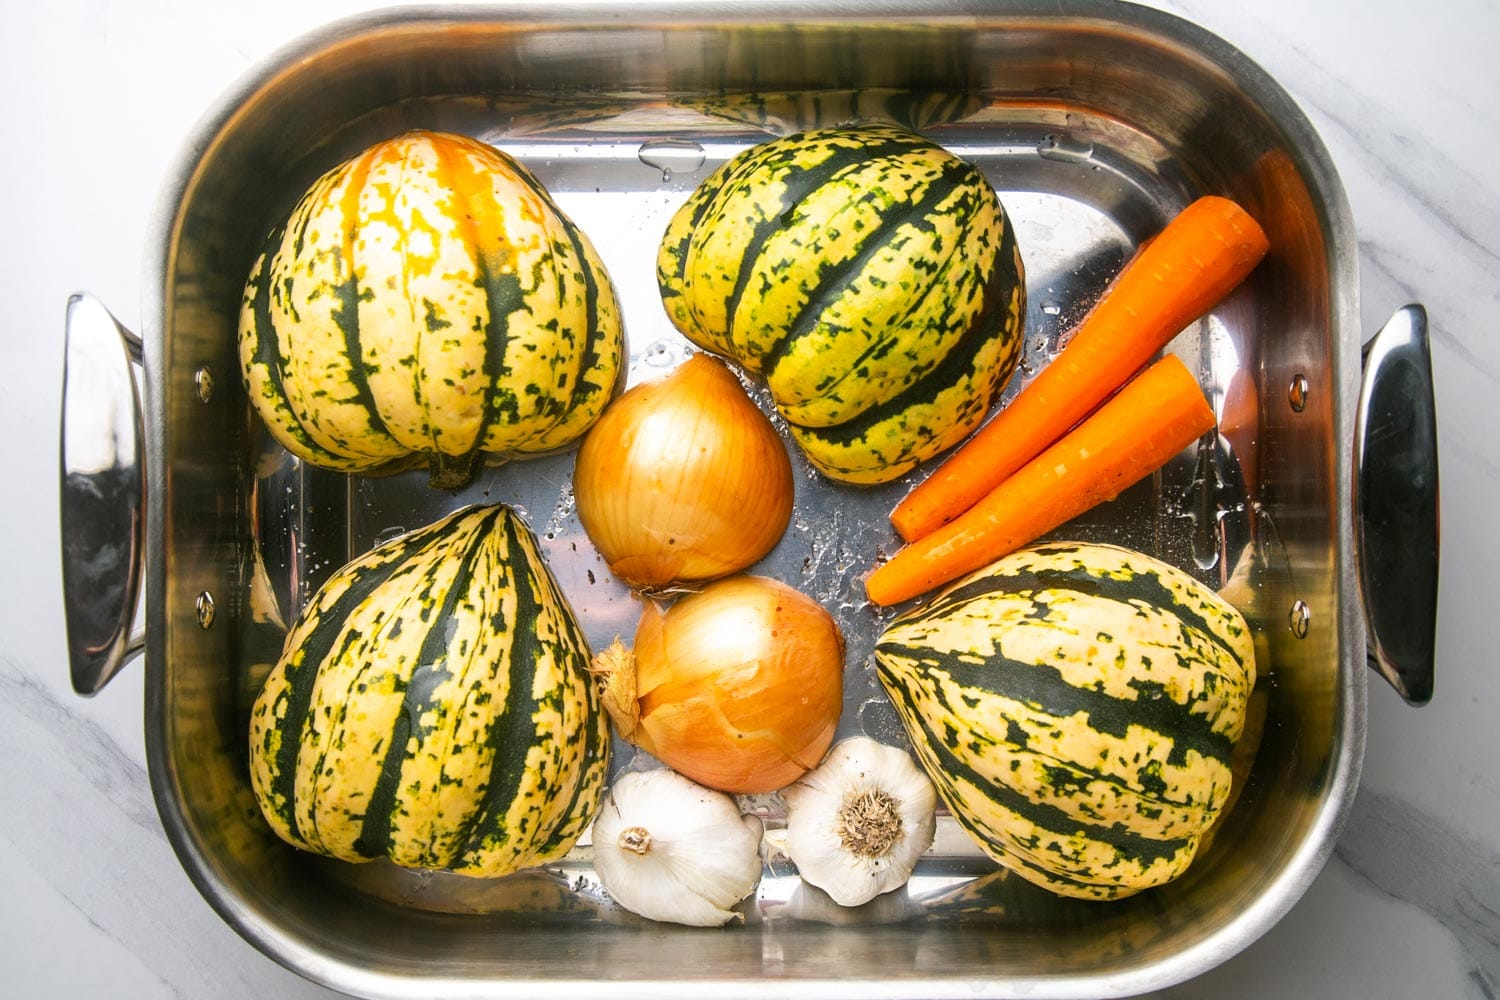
(797, 110)
(1076, 705)
(428, 300)
(871, 278)
(432, 705)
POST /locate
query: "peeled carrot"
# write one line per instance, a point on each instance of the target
(1156, 415)
(1176, 277)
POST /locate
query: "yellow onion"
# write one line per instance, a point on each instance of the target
(738, 686)
(683, 479)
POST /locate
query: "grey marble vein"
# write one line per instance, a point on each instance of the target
(1385, 263)
(95, 757)
(1415, 857)
(1420, 169)
(1403, 98)
(94, 836)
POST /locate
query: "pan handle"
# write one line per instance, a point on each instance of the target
(1396, 503)
(103, 493)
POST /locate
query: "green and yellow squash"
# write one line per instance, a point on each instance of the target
(427, 300)
(1076, 706)
(432, 705)
(786, 111)
(868, 276)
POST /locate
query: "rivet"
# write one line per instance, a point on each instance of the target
(1300, 619)
(205, 605)
(1297, 393)
(204, 379)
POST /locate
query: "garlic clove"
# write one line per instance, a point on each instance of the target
(670, 850)
(858, 823)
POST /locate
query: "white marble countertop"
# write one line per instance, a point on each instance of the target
(98, 98)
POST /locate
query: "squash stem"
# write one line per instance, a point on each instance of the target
(450, 472)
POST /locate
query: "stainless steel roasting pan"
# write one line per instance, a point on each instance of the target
(1316, 509)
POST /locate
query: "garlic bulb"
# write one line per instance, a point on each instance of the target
(669, 849)
(858, 822)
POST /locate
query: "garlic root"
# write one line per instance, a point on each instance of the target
(858, 823)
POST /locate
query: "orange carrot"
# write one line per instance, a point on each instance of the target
(1180, 274)
(1156, 415)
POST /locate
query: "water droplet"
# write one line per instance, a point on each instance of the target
(880, 721)
(671, 156)
(659, 354)
(1201, 508)
(1205, 543)
(1050, 308)
(1065, 147)
(387, 534)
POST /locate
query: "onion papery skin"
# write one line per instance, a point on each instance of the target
(739, 686)
(683, 479)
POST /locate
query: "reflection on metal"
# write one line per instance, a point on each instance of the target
(1396, 509)
(102, 493)
(203, 378)
(204, 607)
(1300, 619)
(1165, 107)
(1297, 393)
